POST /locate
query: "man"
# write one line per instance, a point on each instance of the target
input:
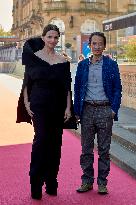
(97, 94)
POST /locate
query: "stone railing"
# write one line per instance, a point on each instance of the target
(128, 77)
(10, 53)
(127, 72)
(7, 67)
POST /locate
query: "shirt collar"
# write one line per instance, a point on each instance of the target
(100, 59)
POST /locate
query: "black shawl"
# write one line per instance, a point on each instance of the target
(28, 59)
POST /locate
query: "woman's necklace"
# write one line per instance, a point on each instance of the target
(50, 58)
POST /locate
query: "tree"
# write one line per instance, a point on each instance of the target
(130, 50)
(68, 45)
(4, 33)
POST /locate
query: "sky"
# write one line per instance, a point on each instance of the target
(6, 14)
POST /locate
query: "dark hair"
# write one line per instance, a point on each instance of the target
(81, 55)
(97, 34)
(50, 27)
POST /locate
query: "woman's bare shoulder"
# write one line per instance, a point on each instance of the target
(61, 57)
(38, 53)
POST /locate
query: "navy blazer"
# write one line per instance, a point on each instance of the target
(111, 83)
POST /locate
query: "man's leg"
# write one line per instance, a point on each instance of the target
(87, 142)
(104, 132)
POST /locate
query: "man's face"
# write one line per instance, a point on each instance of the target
(97, 45)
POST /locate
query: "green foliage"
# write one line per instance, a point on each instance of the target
(130, 50)
(4, 33)
(121, 52)
(68, 45)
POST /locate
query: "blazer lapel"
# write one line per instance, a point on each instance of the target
(104, 70)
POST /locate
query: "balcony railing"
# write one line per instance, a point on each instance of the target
(98, 6)
(131, 8)
(55, 6)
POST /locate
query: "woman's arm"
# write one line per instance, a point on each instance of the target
(25, 95)
(69, 100)
(26, 102)
(68, 108)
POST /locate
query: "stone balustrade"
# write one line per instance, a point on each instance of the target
(127, 73)
(7, 67)
(128, 77)
(10, 53)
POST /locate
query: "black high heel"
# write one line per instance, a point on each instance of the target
(51, 191)
(36, 195)
(36, 188)
(51, 188)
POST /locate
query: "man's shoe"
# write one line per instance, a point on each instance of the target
(85, 188)
(102, 189)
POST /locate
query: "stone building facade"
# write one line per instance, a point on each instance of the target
(75, 18)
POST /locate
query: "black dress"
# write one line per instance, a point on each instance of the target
(47, 86)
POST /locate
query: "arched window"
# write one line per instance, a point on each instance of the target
(58, 22)
(89, 26)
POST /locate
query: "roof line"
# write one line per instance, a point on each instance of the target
(120, 17)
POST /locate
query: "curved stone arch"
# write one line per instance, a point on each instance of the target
(60, 23)
(89, 26)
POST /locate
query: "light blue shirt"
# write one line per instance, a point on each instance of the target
(95, 90)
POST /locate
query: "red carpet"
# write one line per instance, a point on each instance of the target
(15, 149)
(15, 190)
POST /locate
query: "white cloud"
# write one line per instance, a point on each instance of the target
(6, 14)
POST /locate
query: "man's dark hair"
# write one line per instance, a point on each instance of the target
(97, 34)
(50, 27)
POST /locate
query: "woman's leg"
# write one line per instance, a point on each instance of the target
(53, 150)
(37, 155)
(46, 152)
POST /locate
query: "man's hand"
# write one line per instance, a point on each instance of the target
(113, 114)
(77, 118)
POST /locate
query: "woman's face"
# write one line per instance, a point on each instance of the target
(51, 38)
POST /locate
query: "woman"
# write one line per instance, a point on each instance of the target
(45, 99)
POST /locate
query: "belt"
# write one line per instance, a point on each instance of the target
(97, 103)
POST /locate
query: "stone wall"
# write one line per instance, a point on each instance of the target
(15, 68)
(7, 67)
(128, 77)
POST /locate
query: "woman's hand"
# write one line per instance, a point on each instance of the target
(67, 114)
(27, 106)
(27, 103)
